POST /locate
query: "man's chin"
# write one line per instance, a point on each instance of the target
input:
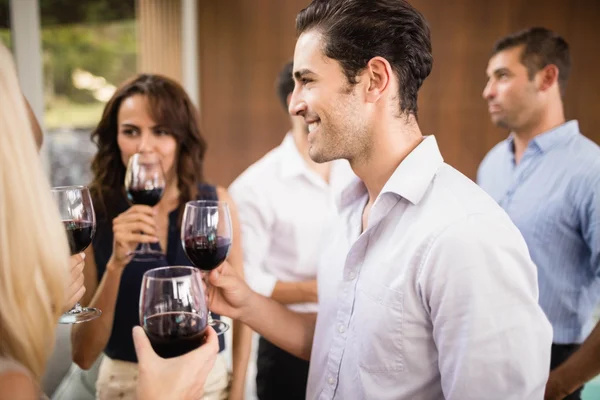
(500, 122)
(316, 155)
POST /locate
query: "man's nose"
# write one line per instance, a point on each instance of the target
(297, 105)
(489, 91)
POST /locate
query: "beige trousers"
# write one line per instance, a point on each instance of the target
(118, 379)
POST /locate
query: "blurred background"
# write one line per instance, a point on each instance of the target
(72, 54)
(227, 55)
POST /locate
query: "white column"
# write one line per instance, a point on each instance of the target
(27, 50)
(189, 49)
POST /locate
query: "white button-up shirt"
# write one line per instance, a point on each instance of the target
(283, 208)
(436, 299)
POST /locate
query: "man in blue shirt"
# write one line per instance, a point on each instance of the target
(546, 176)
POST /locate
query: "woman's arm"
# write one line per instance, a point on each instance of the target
(89, 339)
(242, 334)
(134, 226)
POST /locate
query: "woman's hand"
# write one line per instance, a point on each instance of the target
(75, 290)
(134, 226)
(180, 377)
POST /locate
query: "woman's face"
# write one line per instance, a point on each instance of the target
(138, 132)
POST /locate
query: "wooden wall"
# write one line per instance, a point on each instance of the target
(244, 43)
(159, 37)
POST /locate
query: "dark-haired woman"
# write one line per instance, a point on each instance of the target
(149, 113)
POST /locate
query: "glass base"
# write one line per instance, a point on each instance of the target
(219, 326)
(77, 316)
(148, 255)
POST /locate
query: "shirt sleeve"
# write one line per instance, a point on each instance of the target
(590, 224)
(480, 287)
(256, 219)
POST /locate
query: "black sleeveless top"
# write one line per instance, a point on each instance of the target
(120, 344)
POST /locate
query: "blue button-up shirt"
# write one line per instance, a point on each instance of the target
(553, 196)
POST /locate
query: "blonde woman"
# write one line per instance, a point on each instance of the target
(35, 277)
(34, 256)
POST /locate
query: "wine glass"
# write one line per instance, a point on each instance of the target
(173, 310)
(206, 239)
(145, 184)
(77, 214)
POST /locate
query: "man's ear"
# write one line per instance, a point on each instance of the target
(547, 77)
(378, 73)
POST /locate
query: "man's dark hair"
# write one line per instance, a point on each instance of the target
(542, 47)
(285, 84)
(355, 31)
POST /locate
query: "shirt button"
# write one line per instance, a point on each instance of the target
(351, 275)
(341, 328)
(331, 381)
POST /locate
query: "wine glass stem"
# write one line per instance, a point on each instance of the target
(205, 274)
(145, 248)
(76, 308)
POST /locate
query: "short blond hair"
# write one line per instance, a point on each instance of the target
(34, 253)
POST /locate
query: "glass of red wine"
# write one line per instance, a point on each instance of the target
(145, 184)
(77, 214)
(206, 239)
(173, 310)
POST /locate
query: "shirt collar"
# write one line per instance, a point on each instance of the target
(549, 139)
(415, 173)
(557, 136)
(410, 180)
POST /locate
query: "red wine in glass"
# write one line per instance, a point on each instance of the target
(149, 197)
(173, 334)
(206, 238)
(145, 184)
(79, 235)
(207, 251)
(173, 310)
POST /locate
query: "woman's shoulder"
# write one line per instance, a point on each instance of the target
(16, 382)
(108, 204)
(207, 191)
(223, 194)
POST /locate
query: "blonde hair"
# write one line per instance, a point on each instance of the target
(34, 253)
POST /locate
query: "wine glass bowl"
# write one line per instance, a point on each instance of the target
(77, 213)
(145, 184)
(173, 310)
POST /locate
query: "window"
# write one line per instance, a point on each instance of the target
(5, 23)
(87, 53)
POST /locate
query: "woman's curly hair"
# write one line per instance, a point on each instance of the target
(171, 108)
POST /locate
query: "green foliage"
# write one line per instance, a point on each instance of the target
(5, 37)
(96, 36)
(107, 50)
(62, 12)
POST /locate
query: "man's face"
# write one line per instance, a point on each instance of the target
(330, 106)
(512, 97)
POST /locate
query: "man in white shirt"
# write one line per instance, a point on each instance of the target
(426, 288)
(284, 201)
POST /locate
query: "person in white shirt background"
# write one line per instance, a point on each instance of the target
(426, 288)
(284, 200)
